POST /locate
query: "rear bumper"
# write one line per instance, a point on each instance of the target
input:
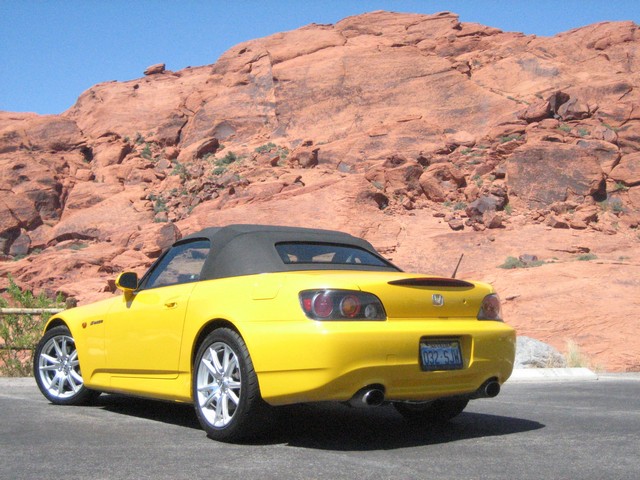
(320, 361)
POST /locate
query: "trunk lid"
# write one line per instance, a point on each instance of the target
(407, 295)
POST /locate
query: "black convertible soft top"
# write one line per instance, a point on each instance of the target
(250, 249)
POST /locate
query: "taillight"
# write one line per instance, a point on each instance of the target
(350, 306)
(341, 305)
(322, 305)
(490, 308)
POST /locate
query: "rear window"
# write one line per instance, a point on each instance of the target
(326, 253)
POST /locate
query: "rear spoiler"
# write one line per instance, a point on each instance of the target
(432, 282)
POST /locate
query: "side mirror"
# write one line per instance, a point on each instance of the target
(127, 282)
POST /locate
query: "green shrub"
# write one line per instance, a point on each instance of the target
(613, 204)
(181, 170)
(620, 187)
(512, 262)
(78, 246)
(19, 333)
(228, 159)
(587, 257)
(508, 138)
(282, 152)
(139, 140)
(160, 205)
(266, 148)
(454, 206)
(146, 152)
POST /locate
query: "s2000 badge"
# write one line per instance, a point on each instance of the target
(438, 300)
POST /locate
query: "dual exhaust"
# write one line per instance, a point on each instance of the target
(374, 395)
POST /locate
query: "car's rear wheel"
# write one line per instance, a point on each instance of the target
(436, 411)
(226, 394)
(56, 368)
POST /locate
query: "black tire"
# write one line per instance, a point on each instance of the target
(436, 411)
(225, 389)
(56, 369)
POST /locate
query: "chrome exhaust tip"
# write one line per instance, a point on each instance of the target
(489, 389)
(368, 397)
(373, 397)
(492, 389)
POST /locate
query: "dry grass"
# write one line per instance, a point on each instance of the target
(576, 358)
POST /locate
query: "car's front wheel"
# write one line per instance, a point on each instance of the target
(226, 394)
(56, 368)
(436, 411)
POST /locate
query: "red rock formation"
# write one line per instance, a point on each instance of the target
(400, 128)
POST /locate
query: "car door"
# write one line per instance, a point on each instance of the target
(144, 332)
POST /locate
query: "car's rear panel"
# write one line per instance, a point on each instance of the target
(299, 359)
(422, 299)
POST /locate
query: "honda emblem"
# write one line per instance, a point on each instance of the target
(438, 300)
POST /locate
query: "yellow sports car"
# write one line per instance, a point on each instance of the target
(240, 318)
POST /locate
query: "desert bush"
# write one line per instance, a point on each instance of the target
(513, 262)
(146, 152)
(575, 358)
(271, 147)
(620, 187)
(612, 204)
(19, 333)
(228, 159)
(508, 138)
(181, 170)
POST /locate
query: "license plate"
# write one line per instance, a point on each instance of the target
(440, 355)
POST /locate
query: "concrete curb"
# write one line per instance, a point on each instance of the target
(17, 382)
(551, 374)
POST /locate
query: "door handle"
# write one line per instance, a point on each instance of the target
(171, 304)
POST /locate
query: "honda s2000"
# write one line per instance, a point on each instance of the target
(241, 318)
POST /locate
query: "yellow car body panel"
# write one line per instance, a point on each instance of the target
(144, 343)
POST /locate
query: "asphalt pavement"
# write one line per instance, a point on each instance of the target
(535, 429)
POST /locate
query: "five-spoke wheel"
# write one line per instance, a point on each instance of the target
(56, 368)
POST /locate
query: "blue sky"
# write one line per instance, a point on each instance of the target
(52, 51)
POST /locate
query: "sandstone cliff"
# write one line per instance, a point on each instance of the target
(427, 136)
